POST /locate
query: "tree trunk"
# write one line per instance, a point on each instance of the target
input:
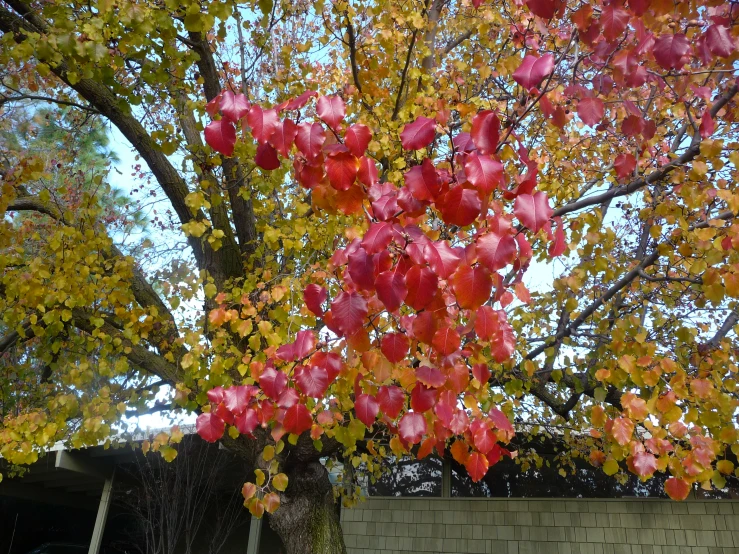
(307, 521)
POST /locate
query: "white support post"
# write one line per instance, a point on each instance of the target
(102, 516)
(255, 533)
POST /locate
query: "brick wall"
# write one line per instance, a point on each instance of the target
(545, 526)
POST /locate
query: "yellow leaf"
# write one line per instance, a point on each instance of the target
(260, 477)
(279, 482)
(610, 467)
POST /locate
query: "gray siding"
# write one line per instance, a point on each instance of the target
(541, 526)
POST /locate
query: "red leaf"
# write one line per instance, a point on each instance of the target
(377, 237)
(304, 344)
(532, 70)
(719, 40)
(391, 400)
(533, 211)
(237, 398)
(484, 439)
(221, 136)
(233, 106)
(624, 165)
(266, 157)
(591, 111)
(312, 380)
(481, 372)
(246, 423)
(477, 466)
(310, 138)
(418, 134)
(421, 284)
(272, 382)
(486, 322)
(558, 246)
(460, 206)
(502, 423)
(446, 341)
(216, 395)
(430, 376)
(412, 427)
(677, 489)
(613, 21)
(391, 289)
(366, 408)
(210, 427)
(707, 126)
(486, 131)
(504, 342)
(342, 169)
(385, 207)
(300, 101)
(357, 138)
(331, 109)
(632, 125)
(423, 398)
(543, 8)
(484, 173)
(645, 464)
(368, 174)
(297, 419)
(283, 136)
(395, 346)
(361, 269)
(423, 181)
(496, 251)
(314, 297)
(262, 122)
(442, 258)
(349, 310)
(669, 49)
(472, 286)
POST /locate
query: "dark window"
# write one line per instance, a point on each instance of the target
(408, 477)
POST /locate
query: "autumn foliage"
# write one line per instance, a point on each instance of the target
(467, 225)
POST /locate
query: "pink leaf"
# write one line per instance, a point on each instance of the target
(221, 136)
(430, 376)
(624, 165)
(395, 346)
(391, 289)
(442, 258)
(331, 109)
(266, 157)
(300, 101)
(366, 408)
(719, 40)
(460, 206)
(484, 173)
(310, 138)
(496, 251)
(234, 106)
(412, 427)
(314, 297)
(349, 310)
(613, 21)
(283, 136)
(418, 134)
(485, 131)
(422, 285)
(707, 126)
(391, 400)
(262, 122)
(669, 50)
(591, 111)
(312, 380)
(297, 419)
(272, 382)
(532, 70)
(533, 211)
(210, 427)
(423, 181)
(357, 138)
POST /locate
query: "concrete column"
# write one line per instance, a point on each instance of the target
(255, 533)
(102, 516)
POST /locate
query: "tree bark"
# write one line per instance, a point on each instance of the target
(307, 521)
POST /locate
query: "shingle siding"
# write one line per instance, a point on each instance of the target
(546, 526)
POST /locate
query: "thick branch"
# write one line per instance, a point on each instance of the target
(728, 325)
(244, 219)
(219, 263)
(653, 177)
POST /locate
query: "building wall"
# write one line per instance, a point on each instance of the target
(541, 526)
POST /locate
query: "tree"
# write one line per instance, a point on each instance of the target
(371, 296)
